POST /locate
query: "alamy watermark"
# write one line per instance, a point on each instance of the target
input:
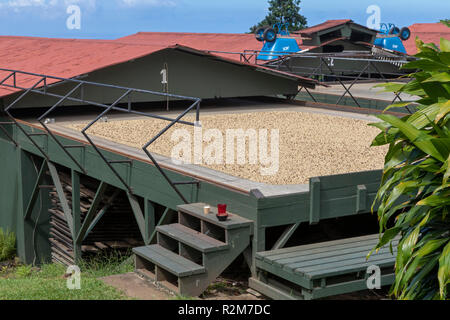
(374, 20)
(74, 278)
(236, 146)
(73, 22)
(374, 280)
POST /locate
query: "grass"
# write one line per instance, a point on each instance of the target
(7, 245)
(49, 282)
(178, 297)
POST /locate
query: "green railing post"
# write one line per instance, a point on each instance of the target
(76, 213)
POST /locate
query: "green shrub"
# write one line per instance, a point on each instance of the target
(7, 245)
(415, 189)
(23, 271)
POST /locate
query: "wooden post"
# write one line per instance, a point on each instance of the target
(361, 198)
(92, 212)
(149, 212)
(36, 190)
(314, 205)
(76, 213)
(137, 211)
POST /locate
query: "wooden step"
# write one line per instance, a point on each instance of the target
(196, 210)
(167, 260)
(192, 238)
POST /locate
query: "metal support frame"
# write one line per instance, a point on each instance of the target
(7, 133)
(334, 73)
(195, 105)
(343, 85)
(308, 92)
(80, 85)
(248, 55)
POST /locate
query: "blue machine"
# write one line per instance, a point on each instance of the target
(391, 37)
(274, 46)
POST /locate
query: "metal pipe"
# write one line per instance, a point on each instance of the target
(101, 105)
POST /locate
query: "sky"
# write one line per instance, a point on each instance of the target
(109, 19)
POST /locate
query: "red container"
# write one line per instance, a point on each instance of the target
(222, 210)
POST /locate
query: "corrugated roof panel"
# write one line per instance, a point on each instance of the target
(62, 58)
(324, 26)
(226, 42)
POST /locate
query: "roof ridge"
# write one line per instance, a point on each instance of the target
(180, 32)
(93, 41)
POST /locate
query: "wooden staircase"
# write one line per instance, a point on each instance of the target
(191, 254)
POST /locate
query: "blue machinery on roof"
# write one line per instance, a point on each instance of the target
(391, 37)
(276, 44)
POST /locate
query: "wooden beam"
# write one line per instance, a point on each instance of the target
(284, 238)
(76, 214)
(361, 198)
(165, 216)
(101, 213)
(36, 191)
(92, 212)
(149, 216)
(136, 208)
(61, 195)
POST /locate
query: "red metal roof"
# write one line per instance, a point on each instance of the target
(68, 58)
(65, 58)
(323, 26)
(427, 32)
(224, 42)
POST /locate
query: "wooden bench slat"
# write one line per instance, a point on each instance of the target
(321, 246)
(354, 268)
(322, 250)
(169, 261)
(340, 254)
(329, 261)
(344, 265)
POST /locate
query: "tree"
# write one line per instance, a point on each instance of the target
(286, 11)
(415, 188)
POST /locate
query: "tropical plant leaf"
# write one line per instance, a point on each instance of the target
(419, 138)
(440, 77)
(444, 270)
(415, 189)
(425, 65)
(445, 45)
(444, 109)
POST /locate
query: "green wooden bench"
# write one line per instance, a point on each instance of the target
(322, 269)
